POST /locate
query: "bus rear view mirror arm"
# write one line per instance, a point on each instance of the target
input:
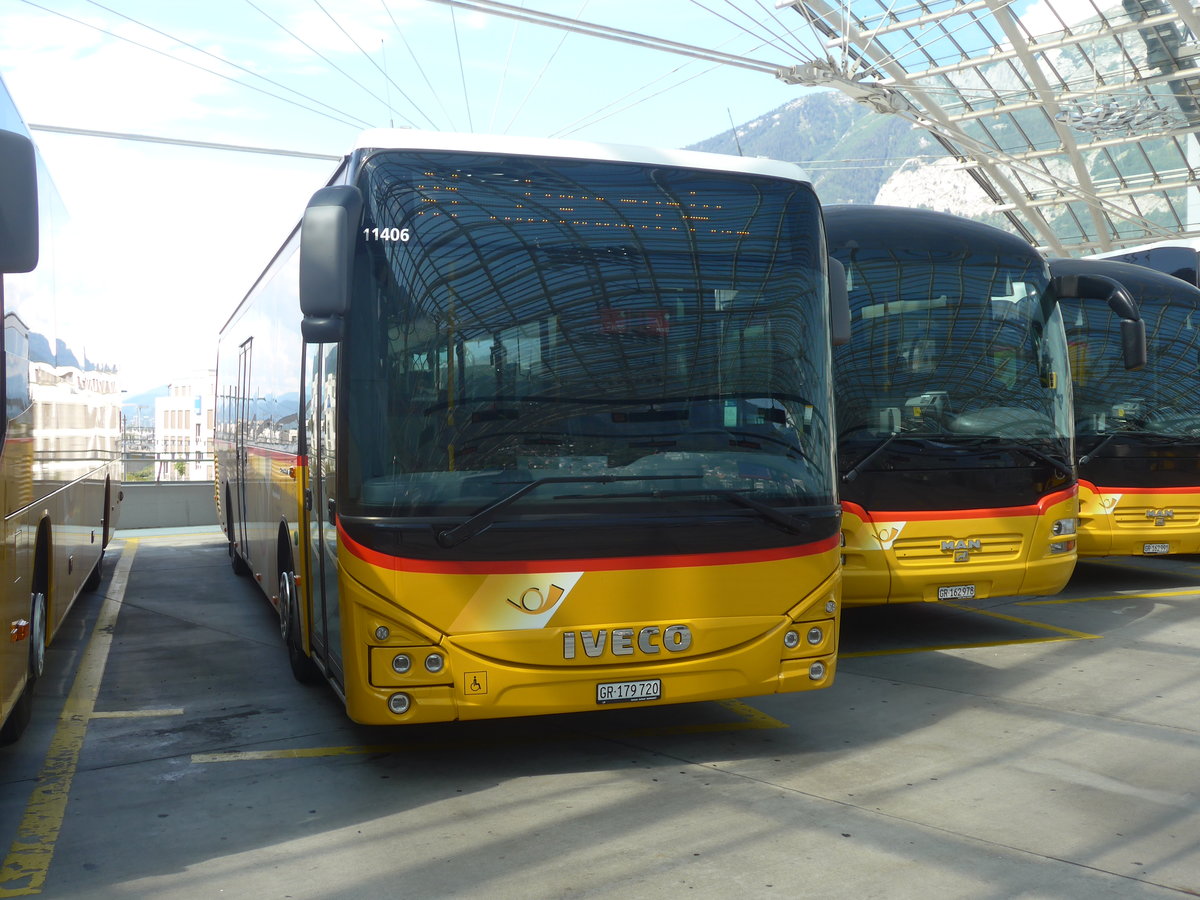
(1100, 287)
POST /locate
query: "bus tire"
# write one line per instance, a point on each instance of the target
(22, 711)
(304, 670)
(239, 565)
(93, 580)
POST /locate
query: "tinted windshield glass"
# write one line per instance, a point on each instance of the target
(519, 319)
(951, 346)
(1162, 398)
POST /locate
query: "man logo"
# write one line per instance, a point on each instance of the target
(962, 548)
(1160, 516)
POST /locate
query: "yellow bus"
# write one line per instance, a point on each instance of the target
(954, 409)
(512, 427)
(1137, 433)
(60, 452)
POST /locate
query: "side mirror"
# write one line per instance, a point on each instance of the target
(18, 203)
(1101, 287)
(1133, 343)
(327, 238)
(839, 304)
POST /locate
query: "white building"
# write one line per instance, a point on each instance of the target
(183, 429)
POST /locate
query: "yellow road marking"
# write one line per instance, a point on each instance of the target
(28, 861)
(136, 713)
(932, 648)
(751, 719)
(1060, 634)
(1133, 595)
(1070, 633)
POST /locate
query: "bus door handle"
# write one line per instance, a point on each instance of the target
(308, 499)
(331, 509)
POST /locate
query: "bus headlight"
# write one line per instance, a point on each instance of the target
(1062, 546)
(791, 639)
(399, 703)
(401, 663)
(816, 671)
(434, 663)
(831, 606)
(382, 633)
(815, 635)
(1062, 526)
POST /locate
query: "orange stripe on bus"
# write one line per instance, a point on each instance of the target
(930, 515)
(599, 564)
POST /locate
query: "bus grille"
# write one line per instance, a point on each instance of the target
(928, 551)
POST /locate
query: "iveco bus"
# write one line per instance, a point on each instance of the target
(1137, 433)
(512, 427)
(61, 428)
(954, 409)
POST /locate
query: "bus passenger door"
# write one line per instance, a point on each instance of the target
(242, 416)
(321, 424)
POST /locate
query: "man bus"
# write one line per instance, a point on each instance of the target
(511, 427)
(60, 432)
(1137, 433)
(954, 409)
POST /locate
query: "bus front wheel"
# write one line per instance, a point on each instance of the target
(22, 711)
(304, 670)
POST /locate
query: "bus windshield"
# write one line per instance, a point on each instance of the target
(1161, 399)
(613, 334)
(952, 346)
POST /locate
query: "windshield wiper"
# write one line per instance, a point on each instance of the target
(852, 473)
(1061, 465)
(452, 537)
(1087, 457)
(770, 513)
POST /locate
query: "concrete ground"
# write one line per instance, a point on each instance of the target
(1032, 748)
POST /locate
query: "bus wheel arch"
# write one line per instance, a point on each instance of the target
(93, 579)
(235, 560)
(22, 711)
(304, 670)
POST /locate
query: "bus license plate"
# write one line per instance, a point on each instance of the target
(1156, 548)
(957, 592)
(629, 691)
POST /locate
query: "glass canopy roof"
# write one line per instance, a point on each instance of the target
(1077, 117)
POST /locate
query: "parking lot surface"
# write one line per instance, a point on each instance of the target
(1024, 747)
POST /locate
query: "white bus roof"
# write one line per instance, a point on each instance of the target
(412, 139)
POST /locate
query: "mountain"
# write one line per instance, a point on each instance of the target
(850, 151)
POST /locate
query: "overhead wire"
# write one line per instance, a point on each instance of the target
(512, 42)
(545, 66)
(343, 117)
(372, 61)
(416, 62)
(462, 72)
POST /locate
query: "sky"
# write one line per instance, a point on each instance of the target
(173, 236)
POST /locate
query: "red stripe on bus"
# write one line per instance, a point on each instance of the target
(932, 515)
(1110, 489)
(600, 564)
